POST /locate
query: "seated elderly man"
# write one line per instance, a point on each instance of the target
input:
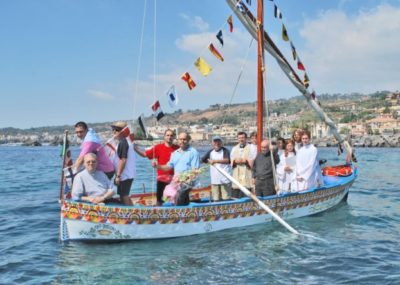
(91, 185)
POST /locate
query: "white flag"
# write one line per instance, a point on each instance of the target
(172, 97)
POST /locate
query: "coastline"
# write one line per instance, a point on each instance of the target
(368, 141)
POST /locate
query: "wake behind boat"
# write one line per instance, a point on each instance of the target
(144, 220)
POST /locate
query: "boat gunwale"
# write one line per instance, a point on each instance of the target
(343, 181)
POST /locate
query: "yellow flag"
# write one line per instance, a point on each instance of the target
(203, 66)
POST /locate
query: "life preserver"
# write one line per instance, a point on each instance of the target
(339, 170)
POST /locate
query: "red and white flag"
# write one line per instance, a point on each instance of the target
(156, 107)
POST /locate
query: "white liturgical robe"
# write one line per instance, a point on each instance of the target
(307, 168)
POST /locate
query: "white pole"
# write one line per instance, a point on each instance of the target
(255, 199)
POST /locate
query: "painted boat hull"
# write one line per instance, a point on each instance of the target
(83, 221)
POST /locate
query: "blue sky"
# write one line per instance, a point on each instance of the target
(67, 60)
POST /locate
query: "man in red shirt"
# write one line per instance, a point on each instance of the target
(161, 153)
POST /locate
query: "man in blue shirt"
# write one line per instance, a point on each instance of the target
(183, 159)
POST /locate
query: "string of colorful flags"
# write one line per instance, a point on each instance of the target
(201, 65)
(295, 55)
(205, 68)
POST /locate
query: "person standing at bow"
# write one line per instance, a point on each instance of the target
(241, 161)
(124, 163)
(92, 144)
(161, 154)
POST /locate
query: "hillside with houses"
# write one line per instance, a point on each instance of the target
(369, 120)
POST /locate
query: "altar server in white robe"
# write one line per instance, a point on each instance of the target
(308, 171)
(286, 169)
(296, 137)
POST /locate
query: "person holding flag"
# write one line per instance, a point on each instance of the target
(161, 154)
(92, 144)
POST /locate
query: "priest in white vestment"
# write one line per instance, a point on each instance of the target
(308, 171)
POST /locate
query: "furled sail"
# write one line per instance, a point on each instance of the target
(250, 23)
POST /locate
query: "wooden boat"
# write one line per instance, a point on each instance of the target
(144, 220)
(84, 221)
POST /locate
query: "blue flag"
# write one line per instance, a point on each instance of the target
(220, 38)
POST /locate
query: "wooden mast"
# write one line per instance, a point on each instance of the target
(260, 71)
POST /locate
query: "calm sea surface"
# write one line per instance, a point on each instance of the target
(355, 243)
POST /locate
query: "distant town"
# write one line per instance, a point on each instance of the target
(366, 120)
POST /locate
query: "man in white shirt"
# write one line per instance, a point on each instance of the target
(221, 187)
(92, 185)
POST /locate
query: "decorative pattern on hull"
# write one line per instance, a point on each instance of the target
(316, 201)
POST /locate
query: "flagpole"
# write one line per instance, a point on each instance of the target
(64, 156)
(260, 72)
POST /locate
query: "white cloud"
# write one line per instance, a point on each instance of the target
(100, 95)
(353, 53)
(197, 22)
(342, 53)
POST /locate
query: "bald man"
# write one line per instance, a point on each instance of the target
(262, 170)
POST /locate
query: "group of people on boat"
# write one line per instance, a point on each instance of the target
(293, 162)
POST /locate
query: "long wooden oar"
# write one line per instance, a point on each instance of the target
(255, 199)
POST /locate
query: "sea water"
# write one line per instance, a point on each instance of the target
(357, 242)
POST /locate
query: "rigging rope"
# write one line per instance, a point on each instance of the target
(154, 88)
(269, 128)
(139, 59)
(237, 81)
(138, 73)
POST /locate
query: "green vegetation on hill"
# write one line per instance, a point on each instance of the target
(340, 107)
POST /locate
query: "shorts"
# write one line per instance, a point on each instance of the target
(110, 174)
(124, 187)
(221, 191)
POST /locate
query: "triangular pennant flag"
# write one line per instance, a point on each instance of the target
(285, 36)
(306, 80)
(300, 65)
(313, 95)
(156, 107)
(230, 22)
(203, 66)
(66, 152)
(172, 97)
(293, 51)
(188, 79)
(142, 126)
(240, 7)
(220, 38)
(277, 12)
(215, 52)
